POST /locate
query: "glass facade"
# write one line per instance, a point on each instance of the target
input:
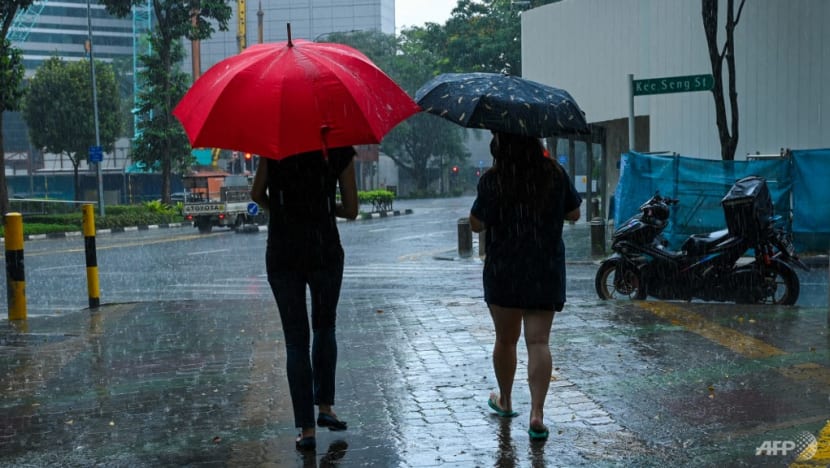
(309, 19)
(61, 28)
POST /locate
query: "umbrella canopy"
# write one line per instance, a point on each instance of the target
(291, 97)
(502, 102)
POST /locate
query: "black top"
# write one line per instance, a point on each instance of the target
(525, 262)
(302, 230)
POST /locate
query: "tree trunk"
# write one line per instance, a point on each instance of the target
(727, 131)
(165, 178)
(76, 180)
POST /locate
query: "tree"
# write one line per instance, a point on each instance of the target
(59, 111)
(11, 76)
(485, 36)
(728, 141)
(161, 141)
(422, 142)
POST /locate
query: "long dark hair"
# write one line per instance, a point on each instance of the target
(523, 173)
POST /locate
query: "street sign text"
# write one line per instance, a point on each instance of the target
(674, 84)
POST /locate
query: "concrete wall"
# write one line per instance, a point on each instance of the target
(590, 46)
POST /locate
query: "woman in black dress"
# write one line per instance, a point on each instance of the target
(522, 202)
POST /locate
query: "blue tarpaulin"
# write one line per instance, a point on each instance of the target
(797, 184)
(811, 199)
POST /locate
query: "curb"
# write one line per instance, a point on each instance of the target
(115, 230)
(381, 214)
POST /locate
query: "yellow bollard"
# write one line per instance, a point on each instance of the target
(15, 276)
(91, 257)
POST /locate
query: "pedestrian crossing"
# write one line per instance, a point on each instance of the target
(409, 270)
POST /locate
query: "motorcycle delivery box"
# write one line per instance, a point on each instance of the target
(748, 207)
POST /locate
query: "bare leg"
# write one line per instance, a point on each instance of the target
(508, 325)
(537, 337)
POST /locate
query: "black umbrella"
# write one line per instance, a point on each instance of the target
(502, 102)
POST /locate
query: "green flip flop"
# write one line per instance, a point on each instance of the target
(505, 414)
(538, 435)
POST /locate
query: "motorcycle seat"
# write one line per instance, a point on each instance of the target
(702, 243)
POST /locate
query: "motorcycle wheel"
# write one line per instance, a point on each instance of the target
(615, 280)
(780, 284)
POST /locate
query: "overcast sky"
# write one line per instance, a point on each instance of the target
(417, 12)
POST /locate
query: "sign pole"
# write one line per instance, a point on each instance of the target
(630, 112)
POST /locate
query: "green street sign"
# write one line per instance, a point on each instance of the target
(673, 84)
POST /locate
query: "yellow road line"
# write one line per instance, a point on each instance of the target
(822, 455)
(726, 337)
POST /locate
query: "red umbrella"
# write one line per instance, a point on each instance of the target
(285, 98)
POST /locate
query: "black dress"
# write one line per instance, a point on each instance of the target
(525, 262)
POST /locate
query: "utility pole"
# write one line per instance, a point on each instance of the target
(95, 109)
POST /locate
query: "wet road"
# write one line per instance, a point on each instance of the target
(190, 374)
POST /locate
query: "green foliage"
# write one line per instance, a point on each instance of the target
(423, 141)
(156, 206)
(161, 143)
(59, 110)
(484, 36)
(58, 107)
(117, 216)
(381, 200)
(11, 76)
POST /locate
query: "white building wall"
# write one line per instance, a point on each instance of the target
(589, 47)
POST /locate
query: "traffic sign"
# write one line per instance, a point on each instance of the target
(253, 209)
(674, 84)
(563, 159)
(96, 154)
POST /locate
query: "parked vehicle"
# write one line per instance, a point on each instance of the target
(709, 266)
(217, 199)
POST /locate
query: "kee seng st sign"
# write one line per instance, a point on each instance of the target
(674, 84)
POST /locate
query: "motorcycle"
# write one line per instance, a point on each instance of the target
(709, 266)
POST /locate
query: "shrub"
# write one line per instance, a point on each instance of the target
(116, 216)
(381, 200)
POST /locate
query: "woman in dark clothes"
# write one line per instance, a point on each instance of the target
(304, 249)
(522, 202)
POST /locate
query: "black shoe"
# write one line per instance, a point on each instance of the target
(306, 443)
(329, 421)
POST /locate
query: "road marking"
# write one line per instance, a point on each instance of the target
(754, 349)
(205, 252)
(119, 246)
(726, 337)
(420, 236)
(79, 266)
